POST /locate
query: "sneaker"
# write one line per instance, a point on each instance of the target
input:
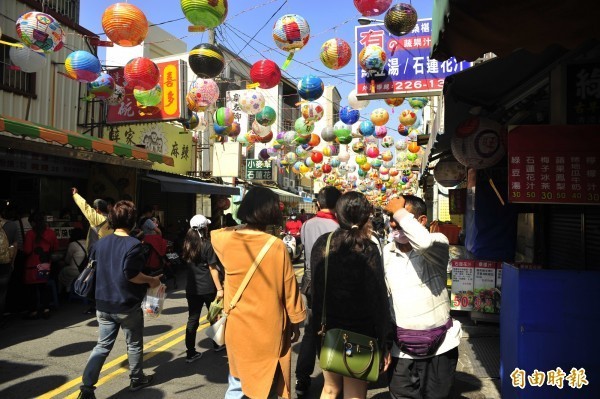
(219, 348)
(302, 386)
(86, 395)
(193, 358)
(140, 383)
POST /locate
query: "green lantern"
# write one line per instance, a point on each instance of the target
(267, 116)
(205, 14)
(148, 98)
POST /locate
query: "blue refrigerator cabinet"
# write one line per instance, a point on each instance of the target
(550, 333)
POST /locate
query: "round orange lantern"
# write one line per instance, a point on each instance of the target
(125, 24)
(413, 147)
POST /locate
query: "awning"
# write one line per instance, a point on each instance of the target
(467, 29)
(34, 137)
(283, 193)
(184, 184)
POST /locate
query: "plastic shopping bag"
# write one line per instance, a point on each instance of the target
(153, 302)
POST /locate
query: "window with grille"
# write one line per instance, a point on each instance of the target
(67, 8)
(11, 78)
(288, 125)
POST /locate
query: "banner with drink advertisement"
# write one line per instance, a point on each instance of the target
(171, 107)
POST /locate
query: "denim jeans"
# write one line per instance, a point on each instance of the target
(234, 390)
(132, 324)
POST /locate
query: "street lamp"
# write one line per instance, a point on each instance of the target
(367, 21)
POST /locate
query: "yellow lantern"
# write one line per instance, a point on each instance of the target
(380, 117)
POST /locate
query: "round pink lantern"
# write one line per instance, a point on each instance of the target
(371, 8)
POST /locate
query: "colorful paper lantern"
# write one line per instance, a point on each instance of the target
(403, 130)
(355, 103)
(148, 98)
(235, 130)
(312, 111)
(316, 157)
(221, 130)
(343, 132)
(330, 150)
(479, 145)
(328, 134)
(408, 117)
(291, 32)
(387, 141)
(260, 130)
(413, 147)
(343, 156)
(224, 116)
(102, 88)
(141, 73)
(394, 101)
(206, 60)
(125, 24)
(400, 19)
(202, 93)
(266, 73)
(371, 8)
(310, 87)
(372, 151)
(192, 122)
(400, 145)
(27, 60)
(40, 32)
(379, 117)
(372, 59)
(358, 147)
(117, 97)
(252, 102)
(387, 155)
(82, 66)
(417, 102)
(380, 132)
(301, 126)
(314, 141)
(349, 116)
(205, 14)
(335, 53)
(266, 116)
(449, 172)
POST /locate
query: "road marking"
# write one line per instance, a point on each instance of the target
(77, 381)
(299, 272)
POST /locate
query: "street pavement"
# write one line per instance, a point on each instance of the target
(44, 358)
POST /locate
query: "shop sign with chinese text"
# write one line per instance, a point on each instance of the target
(554, 164)
(171, 106)
(583, 93)
(259, 170)
(409, 70)
(232, 101)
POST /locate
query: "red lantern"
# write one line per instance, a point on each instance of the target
(266, 73)
(317, 157)
(326, 168)
(141, 73)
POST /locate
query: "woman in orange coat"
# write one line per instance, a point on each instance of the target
(265, 321)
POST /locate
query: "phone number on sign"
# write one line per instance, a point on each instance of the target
(429, 84)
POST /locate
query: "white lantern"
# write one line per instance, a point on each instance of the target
(449, 172)
(27, 60)
(355, 102)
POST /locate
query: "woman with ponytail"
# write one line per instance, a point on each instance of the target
(356, 291)
(203, 283)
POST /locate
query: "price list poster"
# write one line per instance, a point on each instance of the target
(554, 164)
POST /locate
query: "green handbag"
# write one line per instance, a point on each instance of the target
(345, 352)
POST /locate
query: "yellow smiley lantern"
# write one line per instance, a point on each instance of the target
(380, 117)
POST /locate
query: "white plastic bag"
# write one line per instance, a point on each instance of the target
(153, 302)
(216, 332)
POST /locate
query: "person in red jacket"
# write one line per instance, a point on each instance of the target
(292, 226)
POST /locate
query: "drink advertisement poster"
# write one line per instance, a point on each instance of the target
(484, 286)
(461, 297)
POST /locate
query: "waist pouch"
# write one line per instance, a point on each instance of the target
(421, 343)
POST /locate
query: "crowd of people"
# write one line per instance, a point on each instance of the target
(380, 273)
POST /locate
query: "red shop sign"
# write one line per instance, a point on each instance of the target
(554, 164)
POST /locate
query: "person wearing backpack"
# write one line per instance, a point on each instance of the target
(75, 260)
(8, 250)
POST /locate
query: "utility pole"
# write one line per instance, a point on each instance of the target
(205, 165)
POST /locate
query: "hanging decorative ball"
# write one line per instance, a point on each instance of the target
(343, 132)
(394, 101)
(314, 141)
(403, 130)
(336, 53)
(358, 147)
(205, 14)
(372, 151)
(372, 58)
(417, 102)
(412, 156)
(312, 111)
(235, 130)
(303, 168)
(408, 117)
(376, 162)
(192, 122)
(202, 93)
(400, 19)
(266, 73)
(400, 145)
(479, 144)
(141, 73)
(289, 137)
(379, 117)
(26, 59)
(449, 172)
(40, 32)
(102, 88)
(330, 150)
(260, 130)
(365, 167)
(413, 147)
(372, 139)
(263, 155)
(380, 132)
(366, 128)
(371, 8)
(117, 97)
(243, 140)
(343, 156)
(266, 138)
(291, 32)
(224, 116)
(221, 130)
(301, 152)
(334, 162)
(310, 87)
(316, 157)
(206, 60)
(328, 134)
(252, 102)
(303, 128)
(387, 141)
(82, 66)
(348, 115)
(296, 167)
(148, 98)
(290, 158)
(125, 24)
(355, 103)
(326, 168)
(387, 156)
(266, 116)
(360, 159)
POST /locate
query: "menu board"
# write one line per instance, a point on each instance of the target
(461, 297)
(475, 285)
(484, 286)
(554, 164)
